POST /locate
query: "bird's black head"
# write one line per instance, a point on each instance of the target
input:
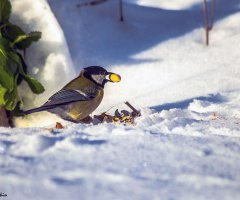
(97, 74)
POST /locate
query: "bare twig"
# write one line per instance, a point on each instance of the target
(121, 10)
(133, 109)
(212, 14)
(207, 27)
(97, 2)
(206, 20)
(5, 118)
(93, 3)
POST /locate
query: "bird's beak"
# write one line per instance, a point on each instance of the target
(113, 77)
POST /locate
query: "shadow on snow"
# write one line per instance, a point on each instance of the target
(213, 98)
(103, 40)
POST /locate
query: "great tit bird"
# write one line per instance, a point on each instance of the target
(80, 97)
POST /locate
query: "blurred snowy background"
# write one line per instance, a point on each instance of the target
(186, 144)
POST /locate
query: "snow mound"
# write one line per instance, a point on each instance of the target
(185, 145)
(48, 60)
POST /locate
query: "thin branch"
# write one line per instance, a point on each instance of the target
(93, 3)
(97, 2)
(121, 10)
(5, 118)
(212, 14)
(206, 20)
(133, 109)
(207, 27)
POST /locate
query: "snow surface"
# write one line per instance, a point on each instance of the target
(186, 144)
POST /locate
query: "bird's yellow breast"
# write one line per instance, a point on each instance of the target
(81, 109)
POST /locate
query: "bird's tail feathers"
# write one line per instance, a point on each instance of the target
(42, 108)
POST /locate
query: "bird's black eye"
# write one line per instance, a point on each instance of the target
(102, 73)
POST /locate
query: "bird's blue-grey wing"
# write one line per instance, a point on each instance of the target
(67, 96)
(60, 98)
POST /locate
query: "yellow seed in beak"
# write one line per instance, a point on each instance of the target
(115, 77)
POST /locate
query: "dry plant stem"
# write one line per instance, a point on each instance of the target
(208, 28)
(130, 106)
(206, 20)
(212, 14)
(5, 118)
(97, 2)
(121, 10)
(93, 3)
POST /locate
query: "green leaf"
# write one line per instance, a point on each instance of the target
(14, 56)
(24, 41)
(4, 49)
(2, 93)
(4, 25)
(18, 39)
(11, 97)
(5, 11)
(13, 63)
(17, 109)
(11, 31)
(24, 65)
(34, 36)
(20, 79)
(6, 79)
(3, 57)
(6, 75)
(35, 86)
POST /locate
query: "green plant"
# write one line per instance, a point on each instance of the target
(13, 69)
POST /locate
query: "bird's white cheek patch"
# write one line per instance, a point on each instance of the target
(98, 78)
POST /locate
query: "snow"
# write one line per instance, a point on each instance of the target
(186, 144)
(47, 58)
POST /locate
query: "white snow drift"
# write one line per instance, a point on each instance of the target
(186, 144)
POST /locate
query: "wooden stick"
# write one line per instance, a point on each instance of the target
(97, 2)
(207, 27)
(133, 109)
(212, 14)
(121, 10)
(93, 3)
(206, 20)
